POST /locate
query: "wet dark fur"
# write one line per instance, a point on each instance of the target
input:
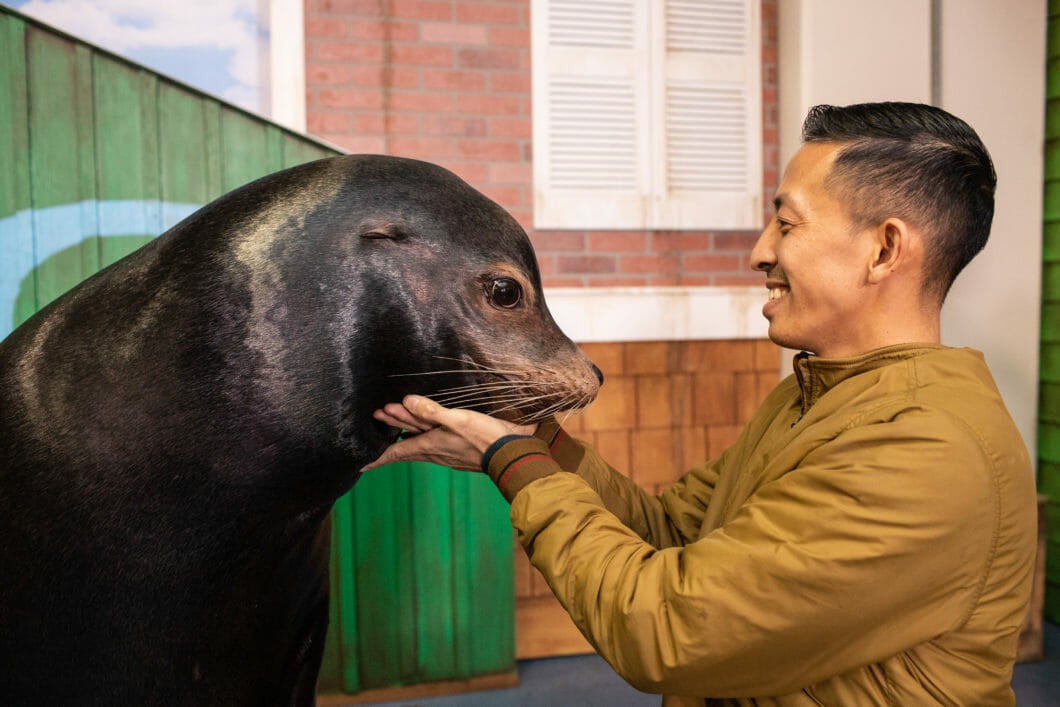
(174, 431)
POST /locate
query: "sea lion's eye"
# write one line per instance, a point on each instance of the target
(504, 292)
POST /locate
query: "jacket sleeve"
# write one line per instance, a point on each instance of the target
(663, 521)
(864, 550)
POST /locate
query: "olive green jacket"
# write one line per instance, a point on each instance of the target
(867, 540)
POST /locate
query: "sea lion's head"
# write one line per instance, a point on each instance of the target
(413, 281)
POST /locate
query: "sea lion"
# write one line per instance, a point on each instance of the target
(175, 430)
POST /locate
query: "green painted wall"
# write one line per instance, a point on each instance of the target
(98, 156)
(1049, 384)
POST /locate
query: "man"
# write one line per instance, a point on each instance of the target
(868, 539)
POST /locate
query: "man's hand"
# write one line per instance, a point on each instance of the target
(453, 438)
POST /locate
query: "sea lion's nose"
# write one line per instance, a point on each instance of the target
(598, 373)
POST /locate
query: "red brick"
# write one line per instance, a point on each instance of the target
(337, 51)
(692, 449)
(376, 30)
(402, 124)
(550, 281)
(652, 454)
(414, 101)
(452, 33)
(421, 148)
(403, 77)
(654, 264)
(488, 150)
(618, 241)
(505, 196)
(420, 55)
(371, 76)
(711, 263)
(567, 264)
(349, 98)
(489, 105)
(653, 402)
(567, 241)
(662, 241)
(459, 80)
(365, 123)
(325, 27)
(503, 127)
(509, 37)
(422, 9)
(767, 356)
(454, 125)
(614, 407)
(510, 82)
(329, 74)
(347, 7)
(695, 280)
(713, 401)
(608, 357)
(627, 281)
(613, 446)
(721, 437)
(487, 12)
(323, 121)
(735, 240)
(520, 173)
(649, 357)
(490, 58)
(751, 279)
(358, 143)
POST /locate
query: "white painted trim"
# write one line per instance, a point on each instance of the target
(600, 314)
(287, 64)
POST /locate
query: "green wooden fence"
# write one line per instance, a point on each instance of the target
(99, 155)
(1049, 383)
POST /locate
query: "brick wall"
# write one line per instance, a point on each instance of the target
(449, 81)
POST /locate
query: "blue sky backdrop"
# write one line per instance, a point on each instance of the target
(218, 46)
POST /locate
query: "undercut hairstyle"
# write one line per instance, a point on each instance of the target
(914, 162)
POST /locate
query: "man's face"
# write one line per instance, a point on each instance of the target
(816, 262)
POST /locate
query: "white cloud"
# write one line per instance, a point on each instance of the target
(123, 26)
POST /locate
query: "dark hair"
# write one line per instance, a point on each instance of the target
(918, 163)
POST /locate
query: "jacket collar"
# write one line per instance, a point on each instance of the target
(818, 375)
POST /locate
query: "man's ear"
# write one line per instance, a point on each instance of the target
(891, 246)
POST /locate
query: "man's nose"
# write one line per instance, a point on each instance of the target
(763, 256)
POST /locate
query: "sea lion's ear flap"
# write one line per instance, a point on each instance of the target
(377, 231)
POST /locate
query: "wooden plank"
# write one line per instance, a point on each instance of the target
(16, 236)
(61, 165)
(485, 576)
(385, 606)
(244, 149)
(183, 146)
(432, 550)
(411, 693)
(126, 164)
(297, 151)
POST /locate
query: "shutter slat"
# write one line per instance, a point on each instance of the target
(707, 140)
(591, 23)
(707, 26)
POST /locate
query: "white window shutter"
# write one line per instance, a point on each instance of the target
(647, 114)
(591, 114)
(708, 113)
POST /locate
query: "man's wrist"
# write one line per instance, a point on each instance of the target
(513, 461)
